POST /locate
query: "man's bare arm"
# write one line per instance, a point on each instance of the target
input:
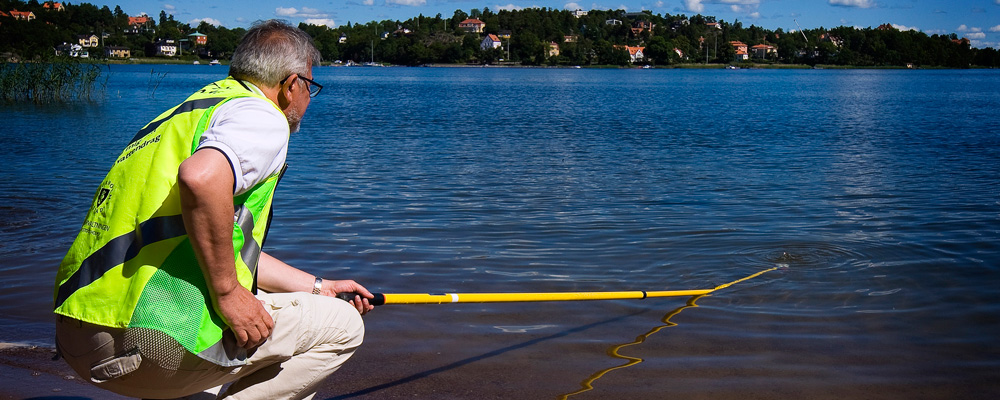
(273, 275)
(205, 181)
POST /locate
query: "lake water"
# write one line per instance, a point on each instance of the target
(879, 191)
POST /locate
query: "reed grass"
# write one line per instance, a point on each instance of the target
(50, 82)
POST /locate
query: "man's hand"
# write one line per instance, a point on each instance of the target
(246, 316)
(331, 288)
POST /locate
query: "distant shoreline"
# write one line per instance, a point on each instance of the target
(163, 61)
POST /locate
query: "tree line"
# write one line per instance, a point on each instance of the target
(527, 37)
(37, 39)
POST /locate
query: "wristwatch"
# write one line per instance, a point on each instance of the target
(318, 285)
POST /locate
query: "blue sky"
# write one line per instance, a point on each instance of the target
(978, 20)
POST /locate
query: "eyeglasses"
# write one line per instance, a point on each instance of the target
(314, 88)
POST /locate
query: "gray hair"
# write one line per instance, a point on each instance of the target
(271, 51)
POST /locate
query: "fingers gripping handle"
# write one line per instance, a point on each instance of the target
(348, 296)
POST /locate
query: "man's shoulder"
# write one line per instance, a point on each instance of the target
(252, 108)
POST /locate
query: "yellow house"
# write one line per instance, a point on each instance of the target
(88, 40)
(117, 52)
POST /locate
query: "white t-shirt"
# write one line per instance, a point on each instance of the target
(252, 134)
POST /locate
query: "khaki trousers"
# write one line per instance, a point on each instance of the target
(312, 337)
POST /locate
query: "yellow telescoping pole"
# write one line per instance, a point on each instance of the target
(433, 298)
(430, 298)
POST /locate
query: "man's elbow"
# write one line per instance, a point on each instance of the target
(204, 173)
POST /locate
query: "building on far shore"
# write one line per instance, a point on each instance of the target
(22, 15)
(138, 24)
(635, 53)
(491, 41)
(198, 38)
(553, 49)
(117, 52)
(162, 47)
(764, 50)
(53, 6)
(472, 25)
(88, 40)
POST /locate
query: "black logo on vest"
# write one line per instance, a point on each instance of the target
(93, 225)
(103, 194)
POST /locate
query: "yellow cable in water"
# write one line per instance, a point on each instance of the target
(588, 384)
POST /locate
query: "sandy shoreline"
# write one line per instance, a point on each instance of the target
(29, 372)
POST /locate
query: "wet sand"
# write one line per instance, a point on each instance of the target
(31, 373)
(476, 352)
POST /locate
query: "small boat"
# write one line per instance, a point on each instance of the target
(214, 62)
(196, 62)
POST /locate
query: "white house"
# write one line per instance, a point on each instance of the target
(740, 49)
(491, 41)
(635, 53)
(165, 47)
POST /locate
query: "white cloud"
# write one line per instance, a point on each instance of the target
(964, 28)
(568, 6)
(740, 6)
(307, 14)
(412, 3)
(285, 12)
(976, 35)
(512, 7)
(854, 3)
(368, 2)
(995, 28)
(210, 21)
(169, 7)
(980, 44)
(695, 6)
(320, 21)
(905, 28)
(660, 4)
(312, 13)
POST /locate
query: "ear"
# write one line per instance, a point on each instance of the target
(287, 91)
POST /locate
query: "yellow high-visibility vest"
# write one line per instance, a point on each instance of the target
(132, 264)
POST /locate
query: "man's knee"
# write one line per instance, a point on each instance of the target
(348, 321)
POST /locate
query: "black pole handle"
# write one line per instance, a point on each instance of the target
(348, 296)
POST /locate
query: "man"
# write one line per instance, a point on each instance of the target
(155, 298)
